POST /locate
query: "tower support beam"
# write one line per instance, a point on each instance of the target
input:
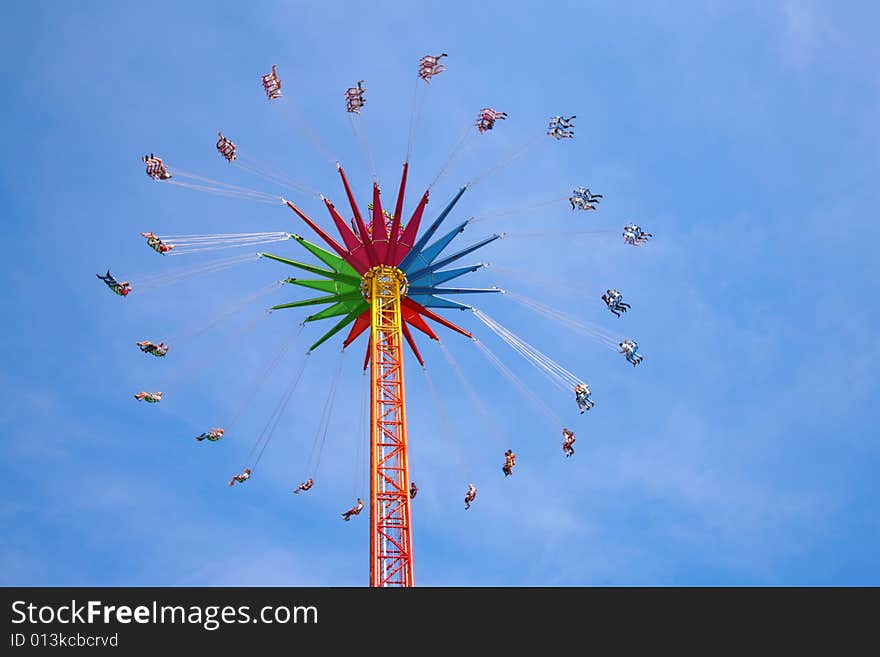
(391, 556)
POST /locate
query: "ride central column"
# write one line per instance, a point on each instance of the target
(391, 557)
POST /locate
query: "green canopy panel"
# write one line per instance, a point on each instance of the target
(333, 261)
(327, 273)
(335, 287)
(340, 308)
(345, 321)
(330, 298)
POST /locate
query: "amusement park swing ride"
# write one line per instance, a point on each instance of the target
(382, 277)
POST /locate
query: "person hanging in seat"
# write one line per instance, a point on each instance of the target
(509, 463)
(156, 168)
(430, 65)
(122, 288)
(240, 478)
(487, 117)
(470, 496)
(582, 397)
(213, 435)
(629, 348)
(225, 147)
(149, 397)
(304, 486)
(567, 442)
(355, 510)
(561, 127)
(583, 199)
(614, 300)
(156, 244)
(272, 84)
(635, 236)
(413, 490)
(157, 350)
(354, 98)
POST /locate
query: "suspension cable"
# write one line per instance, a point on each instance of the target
(326, 416)
(446, 425)
(364, 147)
(478, 403)
(557, 374)
(225, 314)
(560, 234)
(275, 418)
(516, 210)
(187, 372)
(590, 330)
(518, 384)
(286, 105)
(529, 351)
(460, 146)
(266, 373)
(415, 116)
(505, 161)
(200, 243)
(252, 165)
(167, 278)
(360, 467)
(204, 184)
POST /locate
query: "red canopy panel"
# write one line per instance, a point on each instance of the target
(398, 213)
(361, 324)
(359, 221)
(409, 304)
(333, 244)
(411, 316)
(408, 238)
(412, 344)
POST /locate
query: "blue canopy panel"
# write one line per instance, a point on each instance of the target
(429, 279)
(416, 275)
(453, 290)
(424, 258)
(417, 248)
(430, 301)
(428, 296)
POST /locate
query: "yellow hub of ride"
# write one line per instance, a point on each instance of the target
(387, 273)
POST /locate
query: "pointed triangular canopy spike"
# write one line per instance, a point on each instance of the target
(340, 308)
(454, 290)
(345, 321)
(337, 263)
(412, 343)
(333, 287)
(412, 317)
(333, 244)
(422, 259)
(431, 279)
(412, 305)
(455, 256)
(380, 234)
(361, 324)
(352, 241)
(359, 220)
(354, 278)
(431, 301)
(420, 244)
(330, 298)
(404, 244)
(398, 213)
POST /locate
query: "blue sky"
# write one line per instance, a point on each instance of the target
(742, 451)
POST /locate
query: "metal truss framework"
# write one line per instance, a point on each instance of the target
(391, 562)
